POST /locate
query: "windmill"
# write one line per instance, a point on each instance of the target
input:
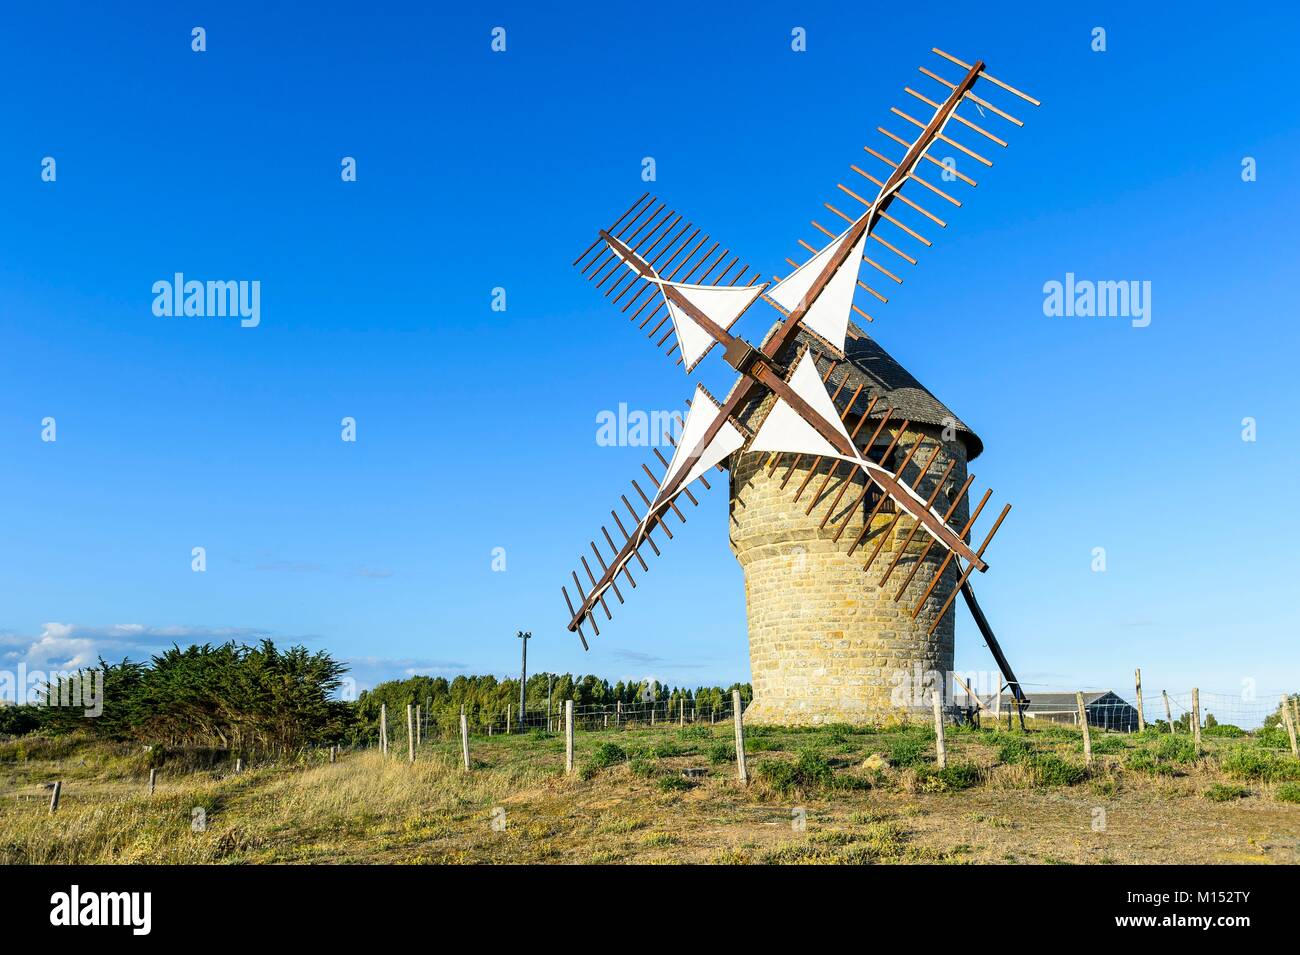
(781, 405)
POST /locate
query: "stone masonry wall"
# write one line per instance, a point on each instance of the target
(826, 642)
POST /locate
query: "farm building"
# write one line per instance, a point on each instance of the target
(1105, 708)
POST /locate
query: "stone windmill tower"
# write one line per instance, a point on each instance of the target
(826, 642)
(849, 510)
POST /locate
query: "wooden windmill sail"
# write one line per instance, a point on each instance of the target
(684, 289)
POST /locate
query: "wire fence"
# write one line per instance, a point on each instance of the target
(1104, 709)
(1107, 709)
(607, 716)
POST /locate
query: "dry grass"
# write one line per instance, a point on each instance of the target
(1002, 802)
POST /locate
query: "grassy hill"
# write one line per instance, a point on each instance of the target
(862, 796)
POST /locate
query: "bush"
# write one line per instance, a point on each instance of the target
(809, 772)
(643, 768)
(722, 753)
(1223, 731)
(1048, 769)
(840, 732)
(1273, 737)
(1252, 762)
(781, 776)
(1176, 749)
(671, 784)
(666, 748)
(1016, 749)
(1287, 792)
(1104, 745)
(953, 777)
(909, 751)
(607, 754)
(1225, 792)
(696, 732)
(1142, 761)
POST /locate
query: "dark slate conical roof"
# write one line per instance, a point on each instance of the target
(882, 377)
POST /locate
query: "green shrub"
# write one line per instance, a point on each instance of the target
(953, 777)
(643, 768)
(696, 732)
(781, 776)
(1273, 737)
(588, 771)
(841, 732)
(1223, 731)
(1252, 762)
(813, 769)
(666, 748)
(1048, 769)
(671, 784)
(1287, 792)
(809, 772)
(722, 753)
(1225, 792)
(1016, 749)
(1144, 761)
(909, 751)
(1176, 749)
(1104, 745)
(608, 754)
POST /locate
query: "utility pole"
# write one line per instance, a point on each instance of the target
(523, 635)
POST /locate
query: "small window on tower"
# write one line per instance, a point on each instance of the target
(874, 493)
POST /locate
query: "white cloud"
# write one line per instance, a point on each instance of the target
(66, 646)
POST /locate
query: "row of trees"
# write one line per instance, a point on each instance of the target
(243, 698)
(485, 698)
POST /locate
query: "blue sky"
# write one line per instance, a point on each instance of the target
(476, 429)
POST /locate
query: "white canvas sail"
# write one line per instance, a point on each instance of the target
(723, 304)
(728, 439)
(829, 315)
(784, 429)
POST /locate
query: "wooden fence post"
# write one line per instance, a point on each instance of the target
(383, 728)
(940, 750)
(1083, 724)
(54, 796)
(239, 764)
(1169, 713)
(681, 712)
(1290, 725)
(509, 709)
(464, 737)
(618, 713)
(568, 736)
(419, 730)
(1142, 720)
(741, 768)
(153, 780)
(410, 733)
(1295, 713)
(334, 754)
(1196, 716)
